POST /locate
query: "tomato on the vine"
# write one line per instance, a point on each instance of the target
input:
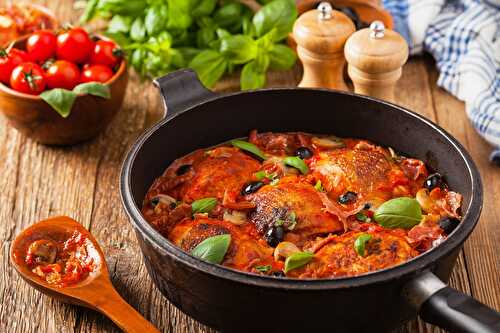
(74, 45)
(8, 61)
(62, 74)
(106, 53)
(96, 73)
(28, 78)
(41, 45)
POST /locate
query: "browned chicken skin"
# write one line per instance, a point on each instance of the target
(290, 195)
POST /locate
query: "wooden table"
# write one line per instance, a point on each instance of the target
(82, 181)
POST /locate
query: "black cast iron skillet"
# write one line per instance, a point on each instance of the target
(230, 300)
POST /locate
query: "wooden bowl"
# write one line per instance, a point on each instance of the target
(90, 115)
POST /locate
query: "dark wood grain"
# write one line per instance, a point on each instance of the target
(82, 181)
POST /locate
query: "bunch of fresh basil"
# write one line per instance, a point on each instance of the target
(212, 37)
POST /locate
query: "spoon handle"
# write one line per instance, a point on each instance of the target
(124, 315)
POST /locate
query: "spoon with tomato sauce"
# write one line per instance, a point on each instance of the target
(60, 258)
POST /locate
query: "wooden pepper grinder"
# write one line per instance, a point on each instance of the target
(375, 56)
(320, 35)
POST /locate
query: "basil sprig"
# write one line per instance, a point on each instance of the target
(250, 147)
(212, 249)
(62, 100)
(297, 260)
(204, 205)
(263, 269)
(399, 213)
(360, 243)
(296, 162)
(212, 37)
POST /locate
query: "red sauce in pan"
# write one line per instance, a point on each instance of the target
(307, 209)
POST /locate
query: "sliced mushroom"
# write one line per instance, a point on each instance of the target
(43, 251)
(235, 217)
(330, 142)
(284, 250)
(424, 200)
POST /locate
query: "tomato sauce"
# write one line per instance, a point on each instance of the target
(59, 261)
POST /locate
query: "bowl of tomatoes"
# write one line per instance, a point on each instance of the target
(62, 87)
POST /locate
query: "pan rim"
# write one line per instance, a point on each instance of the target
(412, 266)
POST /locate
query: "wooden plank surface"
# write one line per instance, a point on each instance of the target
(82, 181)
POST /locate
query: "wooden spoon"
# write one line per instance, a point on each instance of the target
(94, 292)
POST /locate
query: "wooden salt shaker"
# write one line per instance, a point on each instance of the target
(320, 35)
(375, 56)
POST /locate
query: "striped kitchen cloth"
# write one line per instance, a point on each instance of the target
(463, 36)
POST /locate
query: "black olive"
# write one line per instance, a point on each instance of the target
(155, 201)
(304, 153)
(251, 187)
(183, 169)
(448, 224)
(348, 197)
(274, 235)
(495, 158)
(367, 205)
(433, 181)
(278, 274)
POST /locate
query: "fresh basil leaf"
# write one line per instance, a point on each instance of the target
(399, 213)
(177, 59)
(204, 8)
(179, 14)
(188, 53)
(204, 205)
(360, 216)
(122, 7)
(297, 260)
(360, 242)
(250, 147)
(212, 249)
(281, 57)
(222, 33)
(318, 186)
(279, 14)
(60, 100)
(238, 49)
(93, 88)
(260, 175)
(261, 62)
(247, 26)
(138, 30)
(297, 163)
(251, 78)
(263, 269)
(228, 15)
(89, 12)
(210, 65)
(156, 19)
(119, 24)
(137, 59)
(205, 36)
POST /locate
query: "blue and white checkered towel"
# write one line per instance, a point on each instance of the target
(464, 38)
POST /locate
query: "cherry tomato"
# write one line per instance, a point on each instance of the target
(106, 53)
(96, 73)
(41, 45)
(28, 78)
(74, 45)
(62, 74)
(8, 61)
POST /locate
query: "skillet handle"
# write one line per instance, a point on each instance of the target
(180, 90)
(448, 308)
